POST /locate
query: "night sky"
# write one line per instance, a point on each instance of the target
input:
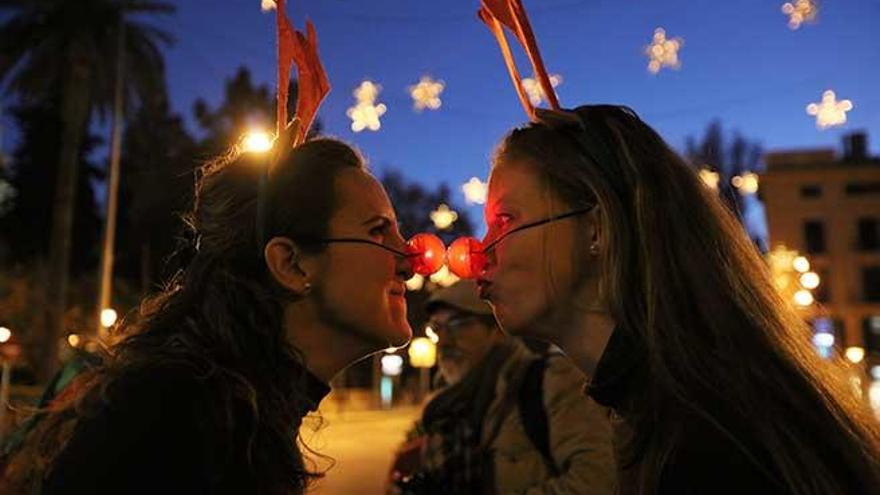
(741, 64)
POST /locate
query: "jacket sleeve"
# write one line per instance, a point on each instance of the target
(580, 436)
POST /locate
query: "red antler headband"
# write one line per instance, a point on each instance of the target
(511, 14)
(295, 47)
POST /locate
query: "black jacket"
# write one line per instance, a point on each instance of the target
(158, 433)
(706, 461)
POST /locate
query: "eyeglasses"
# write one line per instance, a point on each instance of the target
(451, 325)
(467, 256)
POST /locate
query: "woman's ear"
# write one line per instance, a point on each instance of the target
(283, 259)
(594, 231)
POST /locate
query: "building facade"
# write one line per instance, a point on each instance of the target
(826, 205)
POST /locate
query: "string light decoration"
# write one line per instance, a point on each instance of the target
(663, 52)
(426, 94)
(710, 178)
(829, 112)
(534, 90)
(792, 276)
(800, 11)
(444, 277)
(366, 112)
(475, 191)
(746, 183)
(267, 5)
(443, 217)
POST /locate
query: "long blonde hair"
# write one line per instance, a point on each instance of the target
(686, 282)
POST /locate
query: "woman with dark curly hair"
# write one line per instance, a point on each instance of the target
(293, 276)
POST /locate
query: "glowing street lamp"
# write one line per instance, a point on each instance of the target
(108, 317)
(422, 353)
(256, 141)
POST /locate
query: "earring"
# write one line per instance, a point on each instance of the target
(594, 248)
(307, 288)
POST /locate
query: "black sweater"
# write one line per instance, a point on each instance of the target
(154, 436)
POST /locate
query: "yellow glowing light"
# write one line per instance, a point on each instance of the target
(5, 335)
(366, 112)
(267, 5)
(855, 354)
(801, 264)
(534, 90)
(746, 183)
(663, 51)
(475, 191)
(829, 112)
(108, 317)
(422, 353)
(426, 94)
(415, 283)
(432, 335)
(803, 298)
(256, 142)
(800, 11)
(810, 280)
(710, 178)
(443, 217)
(74, 340)
(444, 277)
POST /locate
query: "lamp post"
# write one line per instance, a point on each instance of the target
(423, 355)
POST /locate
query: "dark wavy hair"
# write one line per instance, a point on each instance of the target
(221, 317)
(686, 284)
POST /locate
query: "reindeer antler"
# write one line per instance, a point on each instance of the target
(511, 14)
(295, 47)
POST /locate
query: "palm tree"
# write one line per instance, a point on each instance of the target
(52, 46)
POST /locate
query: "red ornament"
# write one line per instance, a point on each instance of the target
(466, 258)
(427, 252)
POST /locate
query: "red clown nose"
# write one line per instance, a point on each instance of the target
(427, 253)
(466, 258)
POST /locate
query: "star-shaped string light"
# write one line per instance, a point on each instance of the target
(800, 11)
(426, 94)
(475, 191)
(829, 112)
(710, 178)
(534, 90)
(663, 51)
(443, 217)
(746, 183)
(366, 112)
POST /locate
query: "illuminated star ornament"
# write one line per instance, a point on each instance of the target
(829, 112)
(800, 11)
(475, 191)
(443, 217)
(426, 94)
(746, 183)
(663, 52)
(366, 112)
(535, 91)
